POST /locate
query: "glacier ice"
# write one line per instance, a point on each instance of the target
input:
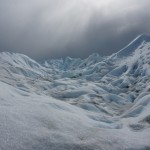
(93, 103)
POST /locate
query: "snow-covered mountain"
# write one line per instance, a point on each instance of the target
(69, 104)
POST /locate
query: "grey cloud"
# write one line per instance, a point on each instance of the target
(59, 28)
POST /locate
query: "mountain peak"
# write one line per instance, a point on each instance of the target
(132, 46)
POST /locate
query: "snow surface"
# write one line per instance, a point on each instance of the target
(99, 103)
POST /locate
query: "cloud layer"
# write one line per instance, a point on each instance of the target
(59, 28)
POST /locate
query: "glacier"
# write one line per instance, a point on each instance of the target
(97, 103)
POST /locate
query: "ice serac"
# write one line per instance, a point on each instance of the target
(131, 47)
(93, 103)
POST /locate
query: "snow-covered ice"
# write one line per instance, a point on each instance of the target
(98, 103)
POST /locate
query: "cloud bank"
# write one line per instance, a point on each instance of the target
(45, 29)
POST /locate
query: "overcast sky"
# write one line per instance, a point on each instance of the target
(45, 29)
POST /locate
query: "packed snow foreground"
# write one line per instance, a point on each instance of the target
(99, 103)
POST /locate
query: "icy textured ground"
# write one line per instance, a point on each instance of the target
(99, 103)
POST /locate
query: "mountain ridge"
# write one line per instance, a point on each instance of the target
(133, 45)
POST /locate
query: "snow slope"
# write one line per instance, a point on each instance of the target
(98, 103)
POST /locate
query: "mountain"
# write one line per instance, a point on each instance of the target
(93, 103)
(138, 42)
